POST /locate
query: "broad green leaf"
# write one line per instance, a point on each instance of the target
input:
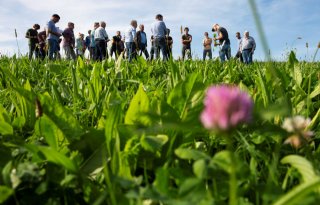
(188, 186)
(314, 120)
(297, 194)
(62, 117)
(4, 117)
(185, 94)
(50, 131)
(315, 92)
(223, 160)
(138, 105)
(304, 167)
(5, 193)
(162, 180)
(6, 128)
(200, 168)
(190, 154)
(152, 143)
(54, 156)
(19, 122)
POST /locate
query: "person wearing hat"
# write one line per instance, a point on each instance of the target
(224, 42)
(32, 35)
(186, 40)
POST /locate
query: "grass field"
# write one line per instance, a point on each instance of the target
(118, 133)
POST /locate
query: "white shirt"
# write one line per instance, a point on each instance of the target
(248, 43)
(100, 33)
(129, 34)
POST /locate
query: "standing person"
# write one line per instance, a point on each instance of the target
(224, 42)
(53, 34)
(117, 45)
(87, 40)
(80, 45)
(239, 54)
(141, 41)
(101, 39)
(68, 42)
(169, 42)
(93, 47)
(207, 41)
(159, 31)
(152, 49)
(32, 35)
(129, 37)
(186, 40)
(42, 44)
(248, 45)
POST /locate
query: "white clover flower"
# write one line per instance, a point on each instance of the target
(297, 125)
(15, 180)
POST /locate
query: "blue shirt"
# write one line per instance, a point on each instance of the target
(129, 34)
(52, 27)
(158, 29)
(143, 37)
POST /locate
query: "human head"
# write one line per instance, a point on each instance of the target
(96, 25)
(118, 33)
(141, 27)
(81, 35)
(246, 34)
(159, 17)
(36, 26)
(206, 34)
(186, 30)
(71, 25)
(89, 32)
(55, 18)
(238, 36)
(215, 27)
(103, 24)
(134, 23)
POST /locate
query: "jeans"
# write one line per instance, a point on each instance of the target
(160, 43)
(225, 52)
(186, 50)
(131, 50)
(207, 52)
(247, 56)
(101, 50)
(143, 49)
(53, 48)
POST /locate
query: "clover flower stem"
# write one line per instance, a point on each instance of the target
(233, 184)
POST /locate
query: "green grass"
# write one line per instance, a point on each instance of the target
(119, 133)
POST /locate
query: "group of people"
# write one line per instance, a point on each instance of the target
(131, 44)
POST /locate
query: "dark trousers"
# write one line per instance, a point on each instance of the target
(33, 49)
(239, 56)
(101, 50)
(184, 49)
(143, 49)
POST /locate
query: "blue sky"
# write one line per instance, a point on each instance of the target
(283, 21)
